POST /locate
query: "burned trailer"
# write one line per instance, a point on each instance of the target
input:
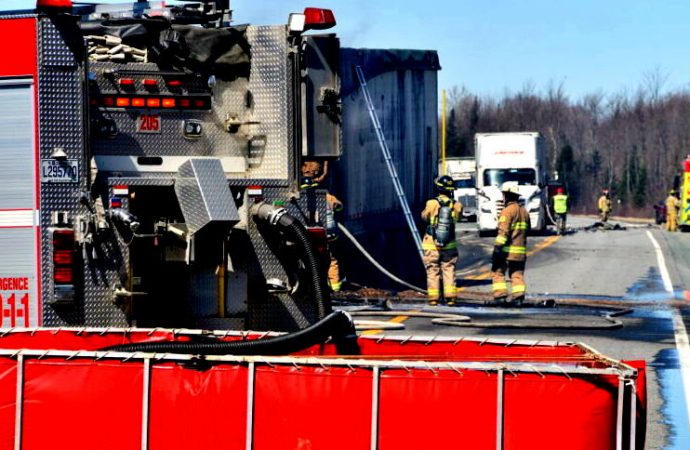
(403, 87)
(152, 159)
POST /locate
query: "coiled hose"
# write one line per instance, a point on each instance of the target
(276, 216)
(337, 326)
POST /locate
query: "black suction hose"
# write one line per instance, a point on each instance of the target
(338, 326)
(293, 228)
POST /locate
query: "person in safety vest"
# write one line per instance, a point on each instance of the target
(672, 209)
(604, 205)
(333, 205)
(440, 249)
(510, 248)
(560, 207)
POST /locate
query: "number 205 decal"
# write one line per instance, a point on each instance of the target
(149, 123)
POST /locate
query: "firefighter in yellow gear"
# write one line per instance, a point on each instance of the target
(332, 206)
(440, 258)
(672, 209)
(560, 207)
(313, 173)
(604, 205)
(510, 248)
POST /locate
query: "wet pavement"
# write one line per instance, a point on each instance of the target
(594, 277)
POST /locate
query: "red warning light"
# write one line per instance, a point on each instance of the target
(168, 103)
(318, 19)
(153, 102)
(138, 102)
(126, 82)
(122, 102)
(40, 4)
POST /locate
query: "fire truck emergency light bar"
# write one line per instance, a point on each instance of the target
(153, 102)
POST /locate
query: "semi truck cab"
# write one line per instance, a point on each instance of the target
(505, 157)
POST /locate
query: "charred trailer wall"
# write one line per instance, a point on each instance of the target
(403, 87)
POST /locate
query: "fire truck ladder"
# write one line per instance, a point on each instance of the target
(389, 161)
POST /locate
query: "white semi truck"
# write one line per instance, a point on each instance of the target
(505, 157)
(463, 171)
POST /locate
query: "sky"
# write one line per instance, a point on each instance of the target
(498, 46)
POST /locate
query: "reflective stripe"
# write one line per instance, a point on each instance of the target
(449, 291)
(432, 246)
(515, 249)
(502, 286)
(433, 292)
(336, 286)
(500, 240)
(518, 226)
(519, 289)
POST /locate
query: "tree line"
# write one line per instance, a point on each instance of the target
(632, 143)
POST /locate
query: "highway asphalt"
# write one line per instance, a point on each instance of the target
(641, 267)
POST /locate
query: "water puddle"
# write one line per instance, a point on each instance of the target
(675, 411)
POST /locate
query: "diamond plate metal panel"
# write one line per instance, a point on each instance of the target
(52, 50)
(61, 124)
(263, 104)
(203, 193)
(280, 311)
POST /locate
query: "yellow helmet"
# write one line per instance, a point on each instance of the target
(510, 187)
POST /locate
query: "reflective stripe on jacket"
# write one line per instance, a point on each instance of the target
(560, 203)
(513, 224)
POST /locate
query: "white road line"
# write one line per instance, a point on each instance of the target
(662, 264)
(681, 334)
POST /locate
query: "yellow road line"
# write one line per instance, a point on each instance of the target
(396, 319)
(549, 241)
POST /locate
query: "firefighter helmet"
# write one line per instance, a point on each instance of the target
(510, 187)
(560, 190)
(444, 184)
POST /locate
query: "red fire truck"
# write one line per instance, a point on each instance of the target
(150, 161)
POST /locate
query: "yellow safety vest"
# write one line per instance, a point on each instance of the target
(560, 203)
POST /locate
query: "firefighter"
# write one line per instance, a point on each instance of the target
(560, 207)
(313, 173)
(604, 205)
(333, 205)
(510, 248)
(440, 249)
(672, 209)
